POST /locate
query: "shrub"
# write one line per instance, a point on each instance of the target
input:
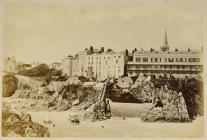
(40, 70)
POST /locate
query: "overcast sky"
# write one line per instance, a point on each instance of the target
(49, 31)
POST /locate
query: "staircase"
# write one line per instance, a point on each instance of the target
(103, 91)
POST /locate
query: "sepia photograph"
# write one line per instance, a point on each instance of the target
(103, 69)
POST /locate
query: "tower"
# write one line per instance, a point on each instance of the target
(165, 46)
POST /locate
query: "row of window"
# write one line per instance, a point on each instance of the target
(164, 66)
(145, 59)
(96, 57)
(106, 62)
(108, 73)
(108, 67)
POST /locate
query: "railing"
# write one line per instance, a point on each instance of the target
(103, 91)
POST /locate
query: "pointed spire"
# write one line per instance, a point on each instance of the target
(165, 38)
(165, 46)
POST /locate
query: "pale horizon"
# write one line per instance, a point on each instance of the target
(47, 32)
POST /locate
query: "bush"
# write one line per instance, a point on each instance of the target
(10, 84)
(40, 70)
(193, 95)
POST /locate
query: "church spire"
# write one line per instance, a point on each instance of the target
(165, 46)
(165, 38)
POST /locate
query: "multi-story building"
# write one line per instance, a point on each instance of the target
(75, 66)
(106, 64)
(9, 64)
(67, 65)
(82, 63)
(165, 61)
(95, 63)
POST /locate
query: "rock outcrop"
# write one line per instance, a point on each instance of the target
(168, 106)
(21, 125)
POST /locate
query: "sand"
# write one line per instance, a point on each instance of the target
(116, 127)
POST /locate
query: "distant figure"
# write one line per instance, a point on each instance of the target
(158, 102)
(124, 117)
(47, 120)
(108, 109)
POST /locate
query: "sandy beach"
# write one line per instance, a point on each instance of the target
(116, 127)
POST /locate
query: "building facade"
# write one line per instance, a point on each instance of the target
(106, 64)
(95, 63)
(67, 65)
(75, 66)
(165, 61)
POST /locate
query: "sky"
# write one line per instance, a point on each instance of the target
(47, 32)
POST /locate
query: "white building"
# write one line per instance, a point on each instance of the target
(106, 64)
(95, 63)
(75, 66)
(82, 63)
(165, 61)
(67, 65)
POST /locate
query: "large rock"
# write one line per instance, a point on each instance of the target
(13, 123)
(9, 84)
(168, 106)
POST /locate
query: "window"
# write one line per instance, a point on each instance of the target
(119, 56)
(160, 59)
(151, 59)
(177, 60)
(185, 60)
(165, 67)
(89, 57)
(193, 59)
(165, 59)
(117, 61)
(181, 59)
(197, 59)
(114, 56)
(138, 59)
(178, 67)
(106, 62)
(183, 67)
(156, 60)
(145, 59)
(170, 59)
(156, 66)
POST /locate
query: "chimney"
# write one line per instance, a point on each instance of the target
(91, 48)
(126, 52)
(102, 49)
